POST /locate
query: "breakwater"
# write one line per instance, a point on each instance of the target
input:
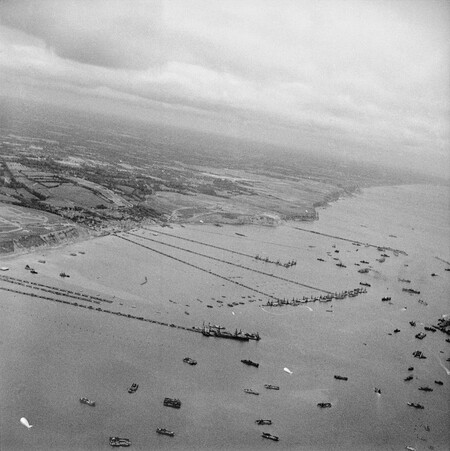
(284, 279)
(380, 248)
(243, 254)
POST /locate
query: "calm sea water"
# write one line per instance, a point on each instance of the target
(53, 354)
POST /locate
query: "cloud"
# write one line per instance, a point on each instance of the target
(357, 74)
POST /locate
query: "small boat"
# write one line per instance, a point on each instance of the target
(33, 271)
(271, 387)
(377, 391)
(420, 335)
(190, 361)
(250, 391)
(250, 363)
(396, 331)
(324, 405)
(165, 431)
(430, 329)
(409, 378)
(425, 389)
(239, 234)
(412, 323)
(87, 401)
(321, 259)
(410, 290)
(341, 378)
(387, 298)
(270, 436)
(172, 402)
(439, 382)
(133, 388)
(419, 355)
(63, 274)
(411, 368)
(365, 284)
(117, 441)
(415, 405)
(268, 422)
(363, 270)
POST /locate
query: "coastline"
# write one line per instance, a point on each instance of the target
(54, 353)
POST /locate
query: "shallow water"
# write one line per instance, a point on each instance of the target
(51, 354)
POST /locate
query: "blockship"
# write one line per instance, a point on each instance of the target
(218, 332)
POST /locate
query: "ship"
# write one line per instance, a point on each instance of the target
(419, 355)
(365, 284)
(410, 290)
(409, 378)
(165, 431)
(363, 270)
(190, 361)
(341, 378)
(212, 331)
(271, 387)
(415, 405)
(172, 402)
(425, 389)
(324, 404)
(117, 441)
(250, 391)
(268, 422)
(250, 363)
(439, 382)
(386, 298)
(87, 401)
(270, 436)
(133, 388)
(420, 335)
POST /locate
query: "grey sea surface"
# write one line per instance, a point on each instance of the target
(51, 354)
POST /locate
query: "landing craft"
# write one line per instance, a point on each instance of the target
(24, 421)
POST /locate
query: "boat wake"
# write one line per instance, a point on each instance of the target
(443, 366)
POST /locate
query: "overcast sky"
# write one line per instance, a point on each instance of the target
(367, 79)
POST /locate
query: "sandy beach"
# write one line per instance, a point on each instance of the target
(51, 353)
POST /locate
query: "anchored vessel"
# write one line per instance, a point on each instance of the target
(261, 421)
(172, 402)
(133, 388)
(250, 391)
(117, 441)
(87, 401)
(415, 405)
(341, 378)
(250, 363)
(270, 436)
(165, 431)
(190, 361)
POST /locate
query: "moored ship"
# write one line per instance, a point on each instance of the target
(87, 401)
(172, 402)
(250, 363)
(165, 431)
